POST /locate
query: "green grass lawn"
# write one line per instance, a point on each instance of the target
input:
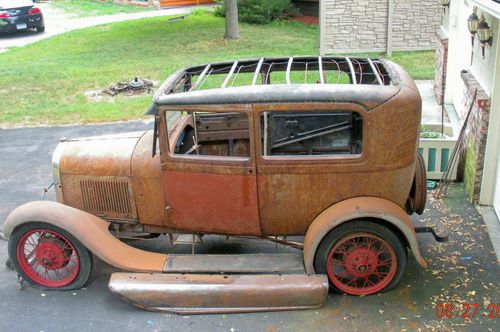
(419, 64)
(44, 83)
(85, 8)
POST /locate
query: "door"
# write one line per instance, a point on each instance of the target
(209, 172)
(309, 158)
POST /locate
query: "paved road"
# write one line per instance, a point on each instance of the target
(57, 22)
(462, 270)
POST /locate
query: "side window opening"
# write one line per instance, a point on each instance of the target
(214, 134)
(311, 133)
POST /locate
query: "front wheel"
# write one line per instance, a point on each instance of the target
(361, 258)
(49, 257)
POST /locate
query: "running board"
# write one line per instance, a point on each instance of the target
(210, 294)
(247, 263)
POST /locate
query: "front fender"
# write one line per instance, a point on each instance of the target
(90, 230)
(358, 208)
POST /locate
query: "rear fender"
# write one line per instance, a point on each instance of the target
(358, 208)
(90, 230)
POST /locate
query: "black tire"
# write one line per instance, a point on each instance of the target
(361, 227)
(40, 28)
(85, 259)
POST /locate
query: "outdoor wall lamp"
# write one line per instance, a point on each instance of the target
(472, 22)
(484, 34)
(445, 3)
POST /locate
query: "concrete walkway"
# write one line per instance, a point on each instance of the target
(431, 110)
(58, 22)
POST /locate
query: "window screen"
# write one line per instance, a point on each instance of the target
(311, 133)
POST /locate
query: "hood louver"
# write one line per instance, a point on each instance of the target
(104, 196)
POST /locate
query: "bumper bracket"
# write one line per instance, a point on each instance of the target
(428, 229)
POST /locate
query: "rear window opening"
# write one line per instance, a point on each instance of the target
(311, 133)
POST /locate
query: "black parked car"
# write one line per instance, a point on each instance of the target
(19, 15)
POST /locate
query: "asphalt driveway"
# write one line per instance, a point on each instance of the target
(462, 271)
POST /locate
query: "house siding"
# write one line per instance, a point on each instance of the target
(362, 26)
(467, 70)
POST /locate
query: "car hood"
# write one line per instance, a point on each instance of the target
(107, 155)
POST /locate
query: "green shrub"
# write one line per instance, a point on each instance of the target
(219, 10)
(261, 11)
(201, 11)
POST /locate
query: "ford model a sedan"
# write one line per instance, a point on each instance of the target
(320, 147)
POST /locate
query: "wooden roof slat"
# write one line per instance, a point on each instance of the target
(320, 69)
(257, 71)
(228, 77)
(351, 68)
(200, 78)
(375, 71)
(288, 69)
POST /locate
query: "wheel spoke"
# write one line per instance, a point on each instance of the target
(338, 262)
(368, 282)
(354, 279)
(370, 244)
(342, 251)
(32, 263)
(355, 242)
(33, 242)
(380, 274)
(30, 254)
(381, 250)
(385, 262)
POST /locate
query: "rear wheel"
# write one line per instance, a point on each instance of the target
(361, 258)
(49, 257)
(40, 28)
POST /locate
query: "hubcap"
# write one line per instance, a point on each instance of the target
(50, 253)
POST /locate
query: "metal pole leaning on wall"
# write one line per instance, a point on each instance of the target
(390, 20)
(442, 187)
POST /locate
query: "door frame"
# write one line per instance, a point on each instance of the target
(221, 192)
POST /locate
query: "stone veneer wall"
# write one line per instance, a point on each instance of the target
(439, 84)
(472, 156)
(361, 26)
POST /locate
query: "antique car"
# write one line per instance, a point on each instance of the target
(320, 147)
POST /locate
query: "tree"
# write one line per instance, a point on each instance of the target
(231, 9)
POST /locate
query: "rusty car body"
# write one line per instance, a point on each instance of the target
(321, 147)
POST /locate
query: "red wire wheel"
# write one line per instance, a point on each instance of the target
(361, 258)
(361, 264)
(49, 257)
